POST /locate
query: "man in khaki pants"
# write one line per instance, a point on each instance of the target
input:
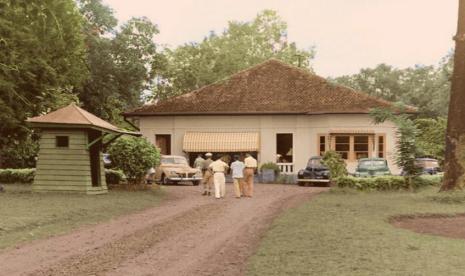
(249, 172)
(219, 168)
(237, 171)
(207, 174)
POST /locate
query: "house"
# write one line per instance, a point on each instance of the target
(70, 151)
(279, 112)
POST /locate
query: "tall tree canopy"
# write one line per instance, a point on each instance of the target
(121, 63)
(241, 45)
(41, 61)
(425, 87)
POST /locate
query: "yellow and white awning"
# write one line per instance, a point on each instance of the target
(221, 142)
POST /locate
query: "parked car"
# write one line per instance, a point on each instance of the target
(428, 166)
(174, 169)
(372, 167)
(106, 160)
(315, 172)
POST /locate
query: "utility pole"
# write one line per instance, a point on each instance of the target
(454, 176)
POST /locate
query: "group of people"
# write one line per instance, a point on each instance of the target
(214, 174)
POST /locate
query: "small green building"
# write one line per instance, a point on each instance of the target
(70, 154)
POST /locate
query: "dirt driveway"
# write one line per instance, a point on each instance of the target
(188, 234)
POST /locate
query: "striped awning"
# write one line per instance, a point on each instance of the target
(352, 131)
(221, 141)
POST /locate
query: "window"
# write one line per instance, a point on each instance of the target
(361, 147)
(342, 146)
(284, 147)
(62, 141)
(322, 145)
(381, 143)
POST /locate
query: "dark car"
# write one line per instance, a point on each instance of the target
(428, 166)
(315, 172)
(368, 167)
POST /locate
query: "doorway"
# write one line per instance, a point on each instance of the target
(163, 142)
(94, 155)
(284, 148)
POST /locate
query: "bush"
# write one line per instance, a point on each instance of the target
(270, 166)
(386, 183)
(17, 175)
(134, 156)
(285, 179)
(114, 176)
(336, 165)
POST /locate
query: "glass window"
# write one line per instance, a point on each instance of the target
(322, 145)
(361, 146)
(381, 146)
(342, 144)
(62, 141)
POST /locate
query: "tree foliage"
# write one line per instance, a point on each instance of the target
(425, 87)
(241, 45)
(121, 63)
(406, 135)
(431, 137)
(134, 156)
(41, 62)
(335, 163)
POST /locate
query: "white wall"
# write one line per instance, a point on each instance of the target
(305, 130)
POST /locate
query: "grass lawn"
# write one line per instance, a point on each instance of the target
(347, 233)
(26, 216)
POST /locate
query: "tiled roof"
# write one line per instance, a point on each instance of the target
(75, 116)
(271, 87)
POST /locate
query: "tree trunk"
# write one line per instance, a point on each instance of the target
(455, 138)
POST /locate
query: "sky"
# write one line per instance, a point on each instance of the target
(348, 35)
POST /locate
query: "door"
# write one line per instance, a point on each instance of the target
(163, 142)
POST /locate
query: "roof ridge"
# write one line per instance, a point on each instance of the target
(80, 112)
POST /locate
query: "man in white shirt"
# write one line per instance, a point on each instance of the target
(249, 173)
(237, 169)
(219, 168)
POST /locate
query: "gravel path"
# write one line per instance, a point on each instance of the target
(187, 234)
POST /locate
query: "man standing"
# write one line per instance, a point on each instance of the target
(237, 168)
(207, 174)
(249, 172)
(198, 163)
(219, 168)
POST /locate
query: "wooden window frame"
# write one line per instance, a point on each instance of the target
(351, 155)
(58, 140)
(318, 144)
(384, 145)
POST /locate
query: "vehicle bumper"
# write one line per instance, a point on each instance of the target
(184, 178)
(313, 180)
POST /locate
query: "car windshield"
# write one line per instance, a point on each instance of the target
(314, 162)
(372, 163)
(173, 161)
(427, 163)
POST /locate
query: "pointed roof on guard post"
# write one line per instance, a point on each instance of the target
(72, 116)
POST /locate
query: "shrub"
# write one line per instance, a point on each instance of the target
(17, 175)
(134, 156)
(386, 183)
(114, 176)
(270, 166)
(336, 165)
(285, 179)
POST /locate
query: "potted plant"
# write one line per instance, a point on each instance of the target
(269, 172)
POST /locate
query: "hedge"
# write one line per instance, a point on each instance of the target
(17, 175)
(384, 183)
(8, 176)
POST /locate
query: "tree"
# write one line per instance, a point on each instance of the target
(455, 138)
(41, 62)
(121, 63)
(335, 163)
(406, 134)
(430, 140)
(241, 45)
(425, 87)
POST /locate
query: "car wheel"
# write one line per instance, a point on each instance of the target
(163, 180)
(196, 183)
